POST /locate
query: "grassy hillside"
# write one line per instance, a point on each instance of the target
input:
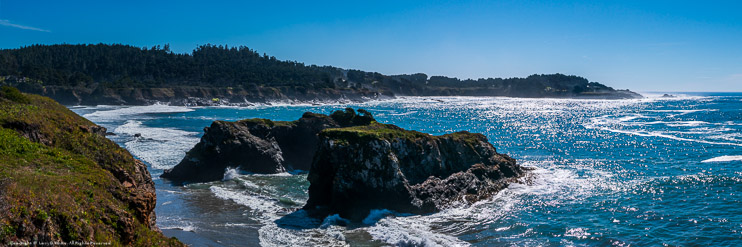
(62, 180)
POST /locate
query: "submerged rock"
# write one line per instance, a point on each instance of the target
(259, 146)
(381, 166)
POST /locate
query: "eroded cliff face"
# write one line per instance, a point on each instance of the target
(258, 146)
(62, 180)
(199, 96)
(212, 96)
(380, 166)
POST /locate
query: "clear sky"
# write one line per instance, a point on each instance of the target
(641, 45)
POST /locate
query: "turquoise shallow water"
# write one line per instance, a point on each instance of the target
(643, 172)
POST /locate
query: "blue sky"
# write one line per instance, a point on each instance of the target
(640, 45)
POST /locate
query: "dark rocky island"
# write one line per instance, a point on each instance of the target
(355, 164)
(382, 166)
(62, 180)
(220, 75)
(259, 146)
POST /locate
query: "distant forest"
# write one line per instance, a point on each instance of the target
(125, 66)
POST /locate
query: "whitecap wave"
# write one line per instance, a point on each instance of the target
(273, 235)
(403, 114)
(410, 231)
(663, 135)
(334, 219)
(268, 211)
(125, 112)
(258, 203)
(680, 132)
(375, 215)
(162, 148)
(186, 228)
(725, 158)
(230, 173)
(579, 233)
(176, 223)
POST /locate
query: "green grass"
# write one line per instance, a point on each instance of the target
(267, 122)
(14, 95)
(57, 179)
(379, 131)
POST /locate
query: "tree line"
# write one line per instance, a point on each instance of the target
(125, 66)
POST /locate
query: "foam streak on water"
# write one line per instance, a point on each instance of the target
(725, 158)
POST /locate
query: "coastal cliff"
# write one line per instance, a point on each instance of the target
(259, 146)
(63, 181)
(99, 94)
(382, 166)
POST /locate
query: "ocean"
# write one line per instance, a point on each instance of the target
(641, 172)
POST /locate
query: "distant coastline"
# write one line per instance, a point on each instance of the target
(220, 75)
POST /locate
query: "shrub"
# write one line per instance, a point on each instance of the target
(13, 94)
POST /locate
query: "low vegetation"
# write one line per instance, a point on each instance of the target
(377, 131)
(61, 179)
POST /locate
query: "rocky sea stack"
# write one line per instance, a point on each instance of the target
(355, 164)
(259, 146)
(382, 166)
(62, 181)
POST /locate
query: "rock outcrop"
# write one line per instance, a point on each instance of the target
(259, 146)
(62, 181)
(380, 166)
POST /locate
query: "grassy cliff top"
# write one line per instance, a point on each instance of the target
(268, 122)
(389, 132)
(61, 181)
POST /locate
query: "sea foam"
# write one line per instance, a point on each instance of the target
(230, 173)
(124, 112)
(725, 158)
(162, 148)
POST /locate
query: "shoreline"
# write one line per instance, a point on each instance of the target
(346, 102)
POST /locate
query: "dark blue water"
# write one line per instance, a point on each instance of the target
(624, 172)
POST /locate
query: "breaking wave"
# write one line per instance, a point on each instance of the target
(126, 112)
(162, 148)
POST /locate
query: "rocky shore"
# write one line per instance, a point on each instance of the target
(96, 94)
(228, 96)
